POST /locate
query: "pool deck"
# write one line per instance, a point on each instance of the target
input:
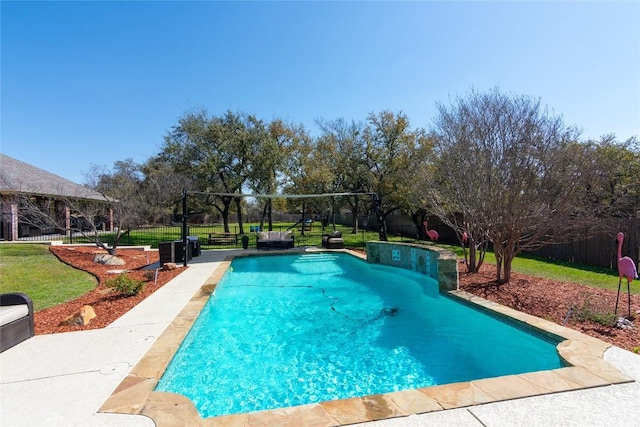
(105, 377)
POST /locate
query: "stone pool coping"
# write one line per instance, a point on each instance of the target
(584, 354)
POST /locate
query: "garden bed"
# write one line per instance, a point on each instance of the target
(107, 304)
(551, 300)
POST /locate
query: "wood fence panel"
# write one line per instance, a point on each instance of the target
(599, 249)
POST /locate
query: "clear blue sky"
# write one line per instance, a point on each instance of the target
(97, 82)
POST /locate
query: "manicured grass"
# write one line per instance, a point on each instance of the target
(33, 270)
(313, 237)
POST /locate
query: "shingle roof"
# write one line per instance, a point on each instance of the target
(20, 177)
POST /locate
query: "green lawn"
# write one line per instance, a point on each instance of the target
(313, 237)
(33, 270)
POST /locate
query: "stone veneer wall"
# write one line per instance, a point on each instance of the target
(436, 263)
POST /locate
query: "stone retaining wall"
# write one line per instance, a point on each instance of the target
(436, 263)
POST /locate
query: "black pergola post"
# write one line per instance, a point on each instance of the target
(185, 241)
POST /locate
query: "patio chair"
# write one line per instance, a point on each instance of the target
(333, 240)
(16, 319)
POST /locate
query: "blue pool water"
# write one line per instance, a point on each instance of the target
(294, 329)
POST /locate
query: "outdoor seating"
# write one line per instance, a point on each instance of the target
(274, 239)
(223, 239)
(16, 319)
(333, 240)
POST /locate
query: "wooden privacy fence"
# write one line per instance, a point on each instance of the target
(599, 248)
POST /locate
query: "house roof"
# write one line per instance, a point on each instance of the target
(20, 177)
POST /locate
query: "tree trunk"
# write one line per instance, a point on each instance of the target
(239, 209)
(225, 215)
(507, 262)
(264, 214)
(472, 267)
(382, 225)
(417, 218)
(504, 259)
(498, 267)
(382, 228)
(507, 270)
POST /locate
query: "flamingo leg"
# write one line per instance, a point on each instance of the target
(628, 300)
(615, 311)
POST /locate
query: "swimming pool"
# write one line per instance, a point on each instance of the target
(373, 329)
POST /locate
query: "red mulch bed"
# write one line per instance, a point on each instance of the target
(551, 300)
(107, 304)
(547, 299)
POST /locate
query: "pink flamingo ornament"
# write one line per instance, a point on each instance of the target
(626, 269)
(433, 234)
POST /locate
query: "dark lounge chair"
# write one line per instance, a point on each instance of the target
(333, 240)
(16, 319)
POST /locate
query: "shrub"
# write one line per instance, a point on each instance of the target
(590, 311)
(125, 285)
(149, 275)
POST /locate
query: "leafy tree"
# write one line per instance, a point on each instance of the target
(268, 176)
(506, 168)
(217, 153)
(345, 155)
(393, 151)
(613, 171)
(306, 171)
(162, 188)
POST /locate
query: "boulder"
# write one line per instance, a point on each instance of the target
(169, 266)
(81, 317)
(107, 259)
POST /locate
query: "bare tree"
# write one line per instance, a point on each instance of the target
(85, 214)
(125, 197)
(134, 197)
(506, 170)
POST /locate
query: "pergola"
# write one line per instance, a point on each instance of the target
(185, 193)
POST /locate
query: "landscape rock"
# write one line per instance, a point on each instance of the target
(169, 266)
(624, 323)
(81, 317)
(107, 259)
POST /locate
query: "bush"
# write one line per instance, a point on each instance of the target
(594, 312)
(149, 275)
(125, 285)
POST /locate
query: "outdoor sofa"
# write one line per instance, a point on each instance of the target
(333, 240)
(16, 319)
(274, 239)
